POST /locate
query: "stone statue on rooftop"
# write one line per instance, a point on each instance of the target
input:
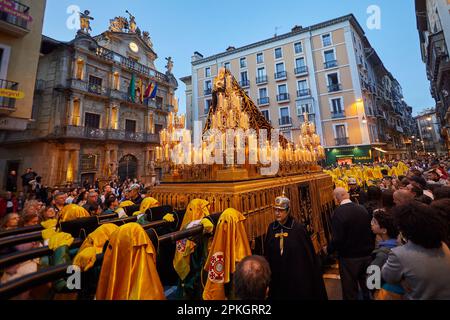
(132, 23)
(169, 65)
(85, 21)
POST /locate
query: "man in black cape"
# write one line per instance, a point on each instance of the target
(296, 269)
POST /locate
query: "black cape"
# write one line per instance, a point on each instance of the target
(297, 274)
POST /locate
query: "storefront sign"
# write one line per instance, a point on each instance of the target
(7, 93)
(10, 8)
(359, 154)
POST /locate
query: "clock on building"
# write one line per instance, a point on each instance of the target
(134, 47)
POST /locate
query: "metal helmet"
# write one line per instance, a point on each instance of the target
(282, 202)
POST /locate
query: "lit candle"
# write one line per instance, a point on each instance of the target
(252, 149)
(166, 152)
(189, 158)
(170, 120)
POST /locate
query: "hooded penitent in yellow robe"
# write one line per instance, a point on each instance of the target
(196, 210)
(126, 203)
(377, 173)
(93, 245)
(129, 267)
(147, 203)
(230, 245)
(72, 212)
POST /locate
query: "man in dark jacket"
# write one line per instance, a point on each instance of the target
(11, 181)
(354, 242)
(28, 176)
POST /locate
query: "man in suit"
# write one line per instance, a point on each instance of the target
(353, 241)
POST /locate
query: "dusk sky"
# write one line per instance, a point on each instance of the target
(180, 27)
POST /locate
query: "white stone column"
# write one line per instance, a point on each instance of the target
(76, 165)
(65, 165)
(107, 162)
(108, 117)
(71, 107)
(81, 116)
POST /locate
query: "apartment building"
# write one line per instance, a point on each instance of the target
(325, 70)
(189, 110)
(20, 41)
(91, 121)
(429, 138)
(433, 24)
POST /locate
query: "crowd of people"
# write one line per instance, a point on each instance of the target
(393, 217)
(398, 221)
(38, 203)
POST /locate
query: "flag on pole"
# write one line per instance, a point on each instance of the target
(132, 88)
(155, 90)
(140, 89)
(149, 90)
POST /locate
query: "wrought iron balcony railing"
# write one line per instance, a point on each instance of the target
(283, 97)
(104, 134)
(264, 100)
(338, 114)
(18, 14)
(437, 52)
(280, 75)
(284, 121)
(330, 64)
(342, 141)
(130, 64)
(334, 87)
(8, 103)
(95, 88)
(261, 79)
(244, 83)
(301, 70)
(303, 93)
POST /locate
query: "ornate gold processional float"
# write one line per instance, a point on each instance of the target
(239, 160)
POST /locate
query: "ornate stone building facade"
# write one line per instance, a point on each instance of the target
(98, 108)
(433, 25)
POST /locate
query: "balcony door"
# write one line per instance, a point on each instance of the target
(95, 84)
(128, 167)
(92, 120)
(158, 128)
(302, 86)
(341, 133)
(336, 106)
(333, 80)
(130, 126)
(284, 116)
(261, 73)
(330, 59)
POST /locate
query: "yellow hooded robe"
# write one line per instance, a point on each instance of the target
(196, 210)
(129, 267)
(72, 212)
(93, 245)
(230, 245)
